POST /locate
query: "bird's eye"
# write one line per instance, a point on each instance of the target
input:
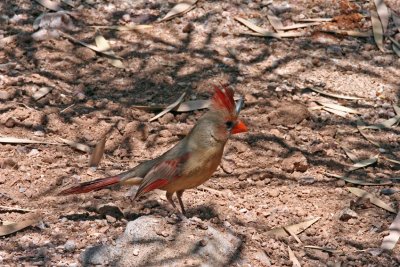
(229, 124)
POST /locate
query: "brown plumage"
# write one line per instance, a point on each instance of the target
(190, 162)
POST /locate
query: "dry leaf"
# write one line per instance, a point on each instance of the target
(295, 228)
(389, 241)
(339, 107)
(383, 13)
(42, 92)
(392, 160)
(293, 235)
(14, 227)
(279, 35)
(395, 46)
(98, 152)
(377, 30)
(329, 250)
(11, 209)
(275, 21)
(93, 47)
(125, 28)
(293, 258)
(78, 146)
(337, 112)
(385, 124)
(364, 163)
(52, 5)
(169, 108)
(15, 140)
(355, 181)
(360, 124)
(104, 46)
(373, 199)
(316, 20)
(349, 32)
(179, 9)
(257, 29)
(396, 109)
(193, 105)
(334, 95)
(278, 26)
(350, 154)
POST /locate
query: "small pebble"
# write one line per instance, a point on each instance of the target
(70, 245)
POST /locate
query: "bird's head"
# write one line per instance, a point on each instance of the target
(225, 112)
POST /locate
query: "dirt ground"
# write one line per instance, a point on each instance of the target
(272, 176)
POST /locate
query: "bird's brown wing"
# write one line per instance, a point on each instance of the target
(162, 174)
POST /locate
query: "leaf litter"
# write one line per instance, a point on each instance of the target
(180, 9)
(364, 163)
(373, 199)
(390, 241)
(169, 108)
(294, 228)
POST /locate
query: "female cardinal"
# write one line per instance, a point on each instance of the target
(190, 162)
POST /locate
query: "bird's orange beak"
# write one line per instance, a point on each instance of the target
(239, 127)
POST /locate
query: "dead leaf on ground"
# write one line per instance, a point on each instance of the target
(104, 46)
(326, 249)
(337, 112)
(180, 9)
(383, 125)
(383, 13)
(15, 140)
(390, 241)
(265, 33)
(316, 20)
(392, 160)
(295, 228)
(338, 107)
(193, 105)
(169, 108)
(78, 146)
(364, 163)
(356, 181)
(334, 95)
(52, 5)
(125, 28)
(349, 32)
(350, 154)
(373, 199)
(361, 124)
(98, 152)
(93, 47)
(293, 259)
(278, 26)
(15, 227)
(395, 46)
(377, 30)
(41, 92)
(14, 209)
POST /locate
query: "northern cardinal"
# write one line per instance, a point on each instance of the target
(190, 162)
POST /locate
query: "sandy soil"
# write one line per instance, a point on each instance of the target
(272, 176)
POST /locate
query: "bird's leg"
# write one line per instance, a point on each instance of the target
(170, 200)
(179, 195)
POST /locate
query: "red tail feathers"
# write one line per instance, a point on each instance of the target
(91, 186)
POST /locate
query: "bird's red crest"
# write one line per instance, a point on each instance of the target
(223, 99)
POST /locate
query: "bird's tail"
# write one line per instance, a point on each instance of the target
(91, 185)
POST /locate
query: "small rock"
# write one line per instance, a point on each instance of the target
(388, 191)
(85, 53)
(273, 192)
(110, 209)
(167, 118)
(296, 162)
(227, 166)
(188, 28)
(288, 113)
(110, 219)
(34, 152)
(4, 95)
(10, 122)
(347, 214)
(307, 180)
(203, 242)
(70, 245)
(340, 183)
(135, 252)
(126, 17)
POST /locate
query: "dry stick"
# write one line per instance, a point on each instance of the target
(292, 234)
